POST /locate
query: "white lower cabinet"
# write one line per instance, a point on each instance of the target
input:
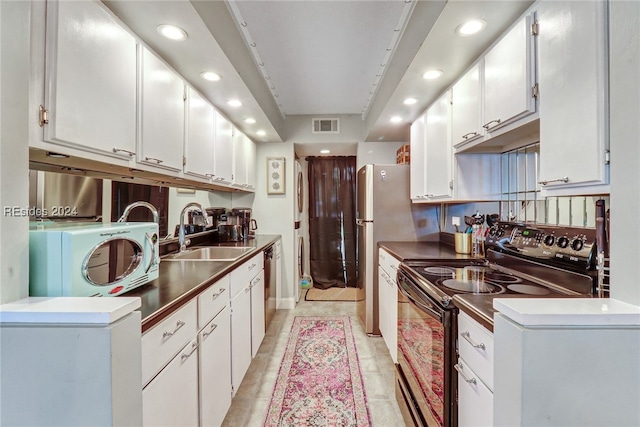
(215, 369)
(171, 398)
(475, 373)
(388, 301)
(240, 335)
(257, 312)
(475, 400)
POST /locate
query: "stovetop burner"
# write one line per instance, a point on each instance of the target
(471, 286)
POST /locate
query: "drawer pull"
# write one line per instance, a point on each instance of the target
(185, 356)
(463, 375)
(467, 336)
(488, 124)
(153, 159)
(217, 294)
(122, 150)
(469, 135)
(252, 266)
(167, 334)
(213, 328)
(564, 179)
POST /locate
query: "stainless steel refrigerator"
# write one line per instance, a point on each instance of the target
(384, 213)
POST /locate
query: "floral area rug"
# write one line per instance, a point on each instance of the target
(320, 382)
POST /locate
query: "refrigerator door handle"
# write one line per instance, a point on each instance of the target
(363, 222)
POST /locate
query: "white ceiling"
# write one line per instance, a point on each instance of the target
(320, 57)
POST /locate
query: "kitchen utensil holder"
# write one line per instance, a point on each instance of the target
(462, 243)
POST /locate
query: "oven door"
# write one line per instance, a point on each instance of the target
(426, 353)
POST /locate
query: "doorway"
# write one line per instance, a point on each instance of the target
(332, 228)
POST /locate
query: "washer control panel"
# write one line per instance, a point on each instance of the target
(564, 245)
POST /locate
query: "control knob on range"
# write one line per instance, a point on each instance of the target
(577, 245)
(549, 240)
(563, 242)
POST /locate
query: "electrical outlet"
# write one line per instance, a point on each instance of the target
(455, 220)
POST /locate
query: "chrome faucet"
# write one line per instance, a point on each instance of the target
(134, 205)
(181, 240)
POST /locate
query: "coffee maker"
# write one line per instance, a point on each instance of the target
(242, 217)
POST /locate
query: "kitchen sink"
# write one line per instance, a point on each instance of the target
(210, 253)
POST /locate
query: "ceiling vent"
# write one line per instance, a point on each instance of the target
(325, 125)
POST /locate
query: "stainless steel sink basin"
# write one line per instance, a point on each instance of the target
(210, 253)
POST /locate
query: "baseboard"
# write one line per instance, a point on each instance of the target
(287, 304)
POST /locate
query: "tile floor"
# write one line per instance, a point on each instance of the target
(252, 399)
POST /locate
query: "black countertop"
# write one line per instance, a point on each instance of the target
(405, 251)
(180, 281)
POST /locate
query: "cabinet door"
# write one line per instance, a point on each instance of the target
(215, 370)
(198, 144)
(465, 116)
(392, 318)
(475, 400)
(90, 79)
(382, 304)
(438, 149)
(257, 312)
(572, 58)
(250, 158)
(171, 399)
(162, 114)
(240, 336)
(278, 255)
(223, 150)
(508, 78)
(417, 166)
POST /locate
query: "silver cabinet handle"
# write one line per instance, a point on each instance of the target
(248, 289)
(463, 375)
(467, 336)
(469, 135)
(153, 159)
(194, 347)
(488, 124)
(564, 179)
(167, 334)
(217, 294)
(213, 328)
(251, 267)
(209, 175)
(122, 150)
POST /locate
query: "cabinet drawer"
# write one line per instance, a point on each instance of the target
(164, 340)
(475, 344)
(211, 301)
(241, 276)
(388, 263)
(475, 400)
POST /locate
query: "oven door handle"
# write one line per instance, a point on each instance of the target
(420, 304)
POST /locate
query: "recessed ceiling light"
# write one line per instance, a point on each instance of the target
(211, 76)
(250, 120)
(234, 103)
(325, 151)
(396, 119)
(432, 74)
(409, 101)
(172, 32)
(261, 133)
(471, 27)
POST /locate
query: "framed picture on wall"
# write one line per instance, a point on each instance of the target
(275, 175)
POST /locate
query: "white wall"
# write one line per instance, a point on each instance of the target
(377, 153)
(275, 213)
(14, 154)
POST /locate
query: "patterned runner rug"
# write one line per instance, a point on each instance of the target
(319, 383)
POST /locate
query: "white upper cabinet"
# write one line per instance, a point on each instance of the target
(199, 137)
(245, 161)
(90, 80)
(161, 114)
(439, 177)
(574, 113)
(465, 116)
(509, 72)
(417, 179)
(223, 155)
